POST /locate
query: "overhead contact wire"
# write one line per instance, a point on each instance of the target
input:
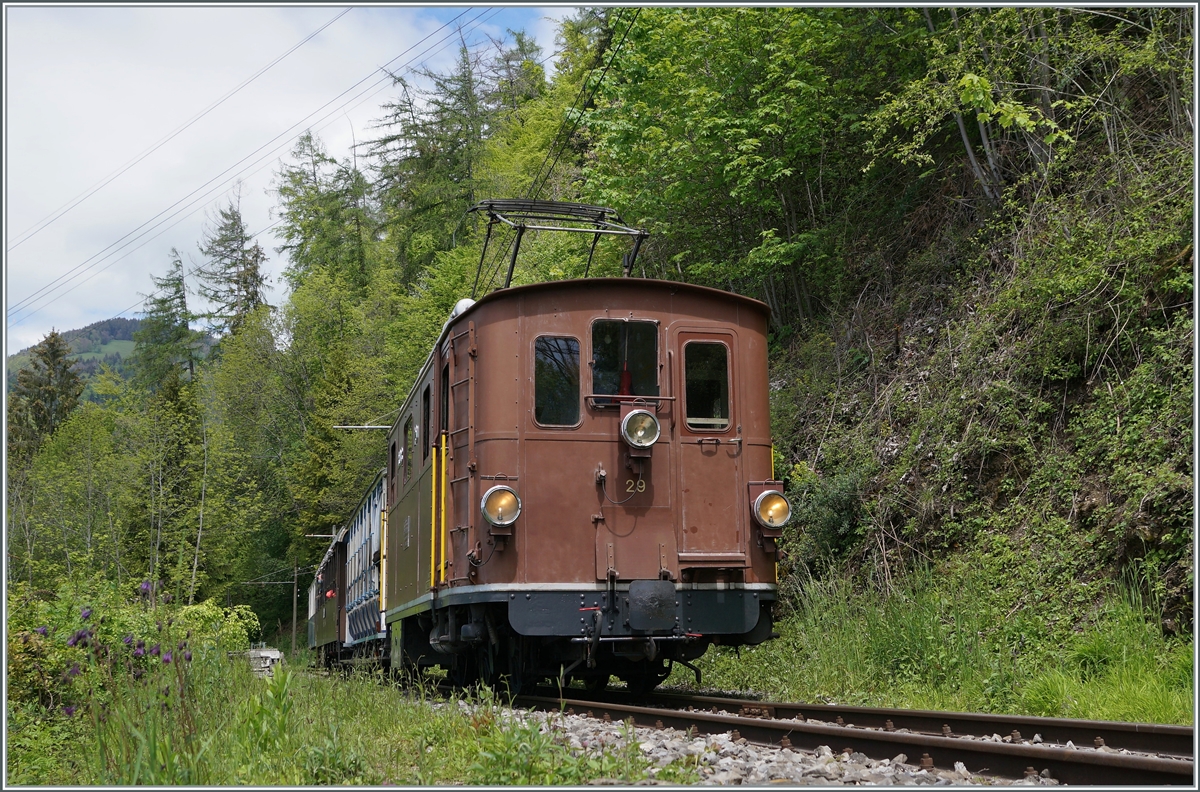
(37, 227)
(82, 267)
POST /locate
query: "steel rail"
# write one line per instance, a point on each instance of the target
(1067, 765)
(1146, 737)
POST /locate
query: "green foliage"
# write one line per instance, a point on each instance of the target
(231, 279)
(167, 347)
(44, 395)
(941, 641)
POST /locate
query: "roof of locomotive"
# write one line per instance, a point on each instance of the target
(592, 283)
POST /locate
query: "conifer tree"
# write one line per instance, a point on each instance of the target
(231, 279)
(45, 394)
(166, 344)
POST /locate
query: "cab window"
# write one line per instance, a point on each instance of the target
(624, 358)
(407, 454)
(556, 380)
(706, 385)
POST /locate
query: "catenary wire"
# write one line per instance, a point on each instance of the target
(46, 221)
(27, 300)
(537, 188)
(81, 267)
(195, 269)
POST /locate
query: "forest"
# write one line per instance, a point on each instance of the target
(973, 228)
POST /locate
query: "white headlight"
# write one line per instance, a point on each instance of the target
(500, 506)
(640, 428)
(772, 510)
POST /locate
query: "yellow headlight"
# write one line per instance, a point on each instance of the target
(500, 506)
(640, 428)
(772, 510)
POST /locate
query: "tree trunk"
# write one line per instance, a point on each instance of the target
(200, 530)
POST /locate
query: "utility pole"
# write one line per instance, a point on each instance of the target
(295, 578)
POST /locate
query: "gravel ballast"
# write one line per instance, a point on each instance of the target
(721, 760)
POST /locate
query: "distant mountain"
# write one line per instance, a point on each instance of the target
(109, 341)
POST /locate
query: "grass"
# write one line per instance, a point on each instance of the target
(928, 645)
(224, 726)
(101, 713)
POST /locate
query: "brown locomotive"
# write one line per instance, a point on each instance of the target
(579, 485)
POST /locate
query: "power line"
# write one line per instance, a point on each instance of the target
(198, 267)
(84, 266)
(497, 260)
(192, 271)
(498, 256)
(579, 115)
(550, 148)
(37, 227)
(27, 300)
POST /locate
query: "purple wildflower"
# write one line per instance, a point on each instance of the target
(85, 614)
(145, 587)
(187, 656)
(128, 639)
(154, 650)
(183, 644)
(141, 644)
(139, 651)
(42, 630)
(73, 670)
(74, 639)
(68, 710)
(166, 658)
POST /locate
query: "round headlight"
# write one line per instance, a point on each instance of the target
(500, 506)
(640, 428)
(772, 510)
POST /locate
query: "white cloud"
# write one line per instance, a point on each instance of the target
(88, 89)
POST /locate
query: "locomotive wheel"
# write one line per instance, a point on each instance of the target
(642, 683)
(465, 672)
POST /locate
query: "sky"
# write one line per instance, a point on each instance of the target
(88, 90)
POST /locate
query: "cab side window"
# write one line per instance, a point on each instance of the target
(556, 381)
(406, 455)
(706, 385)
(426, 424)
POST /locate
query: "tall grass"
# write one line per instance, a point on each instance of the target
(928, 644)
(213, 722)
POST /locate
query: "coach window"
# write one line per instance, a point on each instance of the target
(556, 381)
(392, 467)
(407, 454)
(706, 385)
(624, 358)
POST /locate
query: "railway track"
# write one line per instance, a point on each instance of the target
(1070, 751)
